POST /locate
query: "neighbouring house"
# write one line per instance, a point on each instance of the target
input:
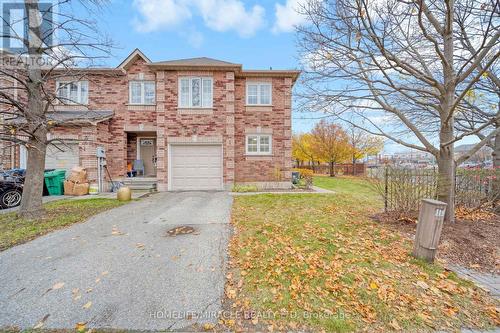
(190, 124)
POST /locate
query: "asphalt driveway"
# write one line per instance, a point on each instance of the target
(121, 269)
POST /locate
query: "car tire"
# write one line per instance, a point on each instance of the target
(10, 198)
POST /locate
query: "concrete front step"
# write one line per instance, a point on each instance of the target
(138, 183)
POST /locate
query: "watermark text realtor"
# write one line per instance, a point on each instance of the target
(15, 30)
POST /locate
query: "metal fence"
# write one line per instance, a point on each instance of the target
(358, 169)
(403, 189)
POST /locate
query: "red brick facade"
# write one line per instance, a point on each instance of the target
(228, 122)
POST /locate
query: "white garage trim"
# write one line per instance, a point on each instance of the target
(169, 160)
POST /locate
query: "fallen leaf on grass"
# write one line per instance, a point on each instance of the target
(373, 285)
(87, 305)
(422, 285)
(80, 327)
(231, 293)
(208, 326)
(394, 324)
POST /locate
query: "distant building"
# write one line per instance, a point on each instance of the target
(483, 155)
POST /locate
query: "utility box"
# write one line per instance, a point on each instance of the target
(101, 152)
(429, 227)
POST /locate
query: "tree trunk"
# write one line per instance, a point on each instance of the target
(495, 155)
(353, 165)
(313, 167)
(446, 174)
(446, 158)
(332, 169)
(31, 204)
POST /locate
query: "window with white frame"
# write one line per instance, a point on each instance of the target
(73, 92)
(142, 92)
(258, 144)
(259, 93)
(195, 92)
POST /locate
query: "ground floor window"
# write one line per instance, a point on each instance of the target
(258, 144)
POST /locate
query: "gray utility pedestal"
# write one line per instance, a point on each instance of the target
(429, 226)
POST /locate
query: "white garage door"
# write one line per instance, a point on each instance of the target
(62, 157)
(196, 167)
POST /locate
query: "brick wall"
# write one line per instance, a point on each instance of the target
(207, 123)
(228, 122)
(256, 120)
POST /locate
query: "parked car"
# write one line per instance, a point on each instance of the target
(11, 187)
(11, 192)
(12, 173)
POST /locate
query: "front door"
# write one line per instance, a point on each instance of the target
(147, 153)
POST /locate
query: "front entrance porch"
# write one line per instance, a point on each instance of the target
(141, 154)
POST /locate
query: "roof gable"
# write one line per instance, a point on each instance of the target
(136, 54)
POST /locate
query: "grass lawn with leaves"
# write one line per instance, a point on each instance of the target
(58, 214)
(318, 262)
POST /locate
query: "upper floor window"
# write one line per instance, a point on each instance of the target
(258, 144)
(142, 92)
(73, 92)
(259, 93)
(195, 92)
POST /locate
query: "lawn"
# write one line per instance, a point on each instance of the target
(318, 262)
(62, 213)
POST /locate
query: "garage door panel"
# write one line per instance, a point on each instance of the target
(196, 167)
(62, 157)
(196, 160)
(190, 183)
(196, 172)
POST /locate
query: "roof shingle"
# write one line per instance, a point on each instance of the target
(202, 62)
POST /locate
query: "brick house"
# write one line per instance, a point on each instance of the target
(189, 124)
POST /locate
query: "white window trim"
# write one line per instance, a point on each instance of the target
(66, 85)
(259, 84)
(258, 152)
(190, 106)
(143, 92)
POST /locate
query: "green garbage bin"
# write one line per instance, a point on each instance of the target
(54, 180)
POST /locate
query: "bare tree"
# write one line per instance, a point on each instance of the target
(399, 69)
(59, 44)
(361, 144)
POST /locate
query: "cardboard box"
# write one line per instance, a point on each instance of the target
(81, 189)
(78, 175)
(68, 187)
